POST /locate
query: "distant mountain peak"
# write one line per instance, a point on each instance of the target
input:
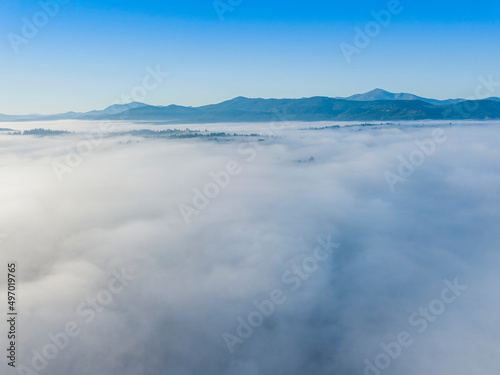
(125, 106)
(379, 91)
(381, 94)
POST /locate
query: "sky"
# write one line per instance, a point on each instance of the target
(86, 55)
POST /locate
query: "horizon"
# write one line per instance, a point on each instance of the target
(245, 97)
(252, 49)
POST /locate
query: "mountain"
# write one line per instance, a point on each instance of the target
(379, 94)
(363, 107)
(7, 118)
(493, 99)
(316, 109)
(114, 109)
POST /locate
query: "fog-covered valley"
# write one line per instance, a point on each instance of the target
(272, 249)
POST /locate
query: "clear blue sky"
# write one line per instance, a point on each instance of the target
(91, 52)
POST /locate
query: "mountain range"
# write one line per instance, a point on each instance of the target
(376, 105)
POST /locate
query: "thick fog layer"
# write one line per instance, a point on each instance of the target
(358, 250)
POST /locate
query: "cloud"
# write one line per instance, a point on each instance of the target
(119, 210)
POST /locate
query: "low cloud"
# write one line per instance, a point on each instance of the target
(119, 210)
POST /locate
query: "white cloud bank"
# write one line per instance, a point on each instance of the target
(118, 210)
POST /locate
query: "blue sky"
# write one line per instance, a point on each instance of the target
(91, 52)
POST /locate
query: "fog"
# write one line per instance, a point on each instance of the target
(193, 270)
